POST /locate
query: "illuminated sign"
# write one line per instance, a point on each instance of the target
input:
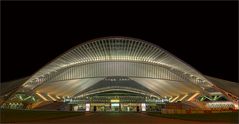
(87, 107)
(114, 100)
(115, 104)
(143, 106)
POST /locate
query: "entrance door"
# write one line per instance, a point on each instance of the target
(115, 107)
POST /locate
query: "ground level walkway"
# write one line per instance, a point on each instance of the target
(119, 118)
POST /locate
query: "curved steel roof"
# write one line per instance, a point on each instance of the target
(115, 49)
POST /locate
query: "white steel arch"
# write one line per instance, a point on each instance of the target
(144, 63)
(116, 50)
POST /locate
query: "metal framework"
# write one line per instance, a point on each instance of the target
(147, 64)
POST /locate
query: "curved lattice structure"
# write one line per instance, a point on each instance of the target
(118, 52)
(138, 63)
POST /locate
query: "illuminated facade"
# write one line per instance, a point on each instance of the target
(117, 74)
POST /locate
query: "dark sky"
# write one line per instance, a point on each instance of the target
(203, 34)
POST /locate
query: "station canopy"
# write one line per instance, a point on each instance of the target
(117, 64)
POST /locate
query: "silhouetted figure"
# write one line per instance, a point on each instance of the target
(94, 108)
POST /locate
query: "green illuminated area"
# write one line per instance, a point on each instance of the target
(21, 100)
(212, 98)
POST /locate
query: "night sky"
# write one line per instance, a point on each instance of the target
(203, 34)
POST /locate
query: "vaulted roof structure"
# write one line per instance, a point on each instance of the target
(122, 68)
(143, 63)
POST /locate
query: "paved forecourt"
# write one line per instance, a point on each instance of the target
(120, 118)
